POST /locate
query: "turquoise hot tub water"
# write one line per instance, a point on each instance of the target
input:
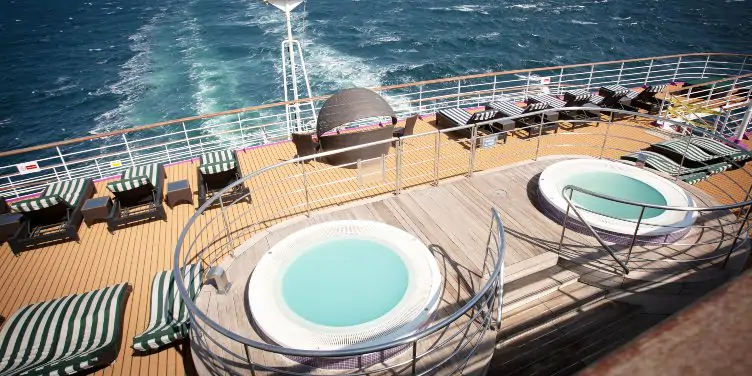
(345, 282)
(619, 186)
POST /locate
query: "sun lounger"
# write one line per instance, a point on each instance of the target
(216, 171)
(646, 100)
(579, 118)
(455, 117)
(666, 165)
(54, 216)
(531, 124)
(584, 98)
(409, 127)
(168, 317)
(138, 196)
(685, 152)
(64, 336)
(617, 97)
(720, 149)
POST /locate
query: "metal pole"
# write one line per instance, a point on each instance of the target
(383, 167)
(745, 122)
(710, 93)
(128, 149)
(167, 150)
(415, 355)
(305, 189)
(564, 221)
(634, 236)
(590, 78)
(473, 146)
(527, 85)
(493, 90)
(650, 69)
(65, 166)
(736, 238)
(420, 99)
(242, 134)
(605, 138)
(621, 69)
(99, 171)
(293, 73)
(227, 226)
(398, 179)
(741, 69)
(459, 90)
(540, 134)
(187, 140)
(676, 71)
(561, 77)
(684, 156)
(707, 60)
(437, 151)
(250, 362)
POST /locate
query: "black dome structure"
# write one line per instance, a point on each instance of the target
(350, 105)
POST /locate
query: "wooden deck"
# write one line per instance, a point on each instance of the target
(135, 254)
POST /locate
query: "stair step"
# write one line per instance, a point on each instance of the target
(529, 266)
(531, 287)
(527, 353)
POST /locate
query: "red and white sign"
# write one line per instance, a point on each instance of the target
(28, 167)
(545, 80)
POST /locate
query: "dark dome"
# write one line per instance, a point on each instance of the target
(350, 105)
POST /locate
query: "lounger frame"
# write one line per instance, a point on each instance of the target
(207, 189)
(149, 207)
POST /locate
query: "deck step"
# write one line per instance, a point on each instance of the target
(533, 286)
(565, 332)
(529, 266)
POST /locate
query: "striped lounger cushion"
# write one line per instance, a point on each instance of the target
(506, 108)
(217, 156)
(63, 336)
(457, 115)
(693, 152)
(168, 319)
(151, 171)
(577, 95)
(34, 204)
(718, 148)
(70, 190)
(694, 178)
(662, 163)
(549, 100)
(618, 90)
(128, 184)
(215, 168)
(657, 88)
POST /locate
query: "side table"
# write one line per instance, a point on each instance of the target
(179, 191)
(96, 209)
(9, 223)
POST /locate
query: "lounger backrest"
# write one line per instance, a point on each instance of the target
(482, 116)
(151, 171)
(506, 108)
(217, 156)
(63, 336)
(43, 211)
(533, 107)
(70, 190)
(219, 175)
(134, 191)
(410, 125)
(547, 99)
(576, 98)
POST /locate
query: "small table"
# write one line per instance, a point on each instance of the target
(178, 191)
(96, 209)
(9, 223)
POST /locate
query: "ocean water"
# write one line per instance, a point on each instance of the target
(74, 68)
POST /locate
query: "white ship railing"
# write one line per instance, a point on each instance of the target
(293, 188)
(105, 155)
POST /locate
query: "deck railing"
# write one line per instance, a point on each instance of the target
(107, 154)
(216, 235)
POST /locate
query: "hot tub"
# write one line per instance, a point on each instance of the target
(621, 181)
(344, 285)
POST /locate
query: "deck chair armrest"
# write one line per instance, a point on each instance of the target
(25, 226)
(115, 211)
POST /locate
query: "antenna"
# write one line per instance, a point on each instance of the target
(290, 48)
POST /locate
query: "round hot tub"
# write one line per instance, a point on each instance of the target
(344, 285)
(616, 220)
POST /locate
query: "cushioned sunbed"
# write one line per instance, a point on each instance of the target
(64, 336)
(217, 170)
(664, 164)
(682, 151)
(720, 149)
(138, 195)
(168, 318)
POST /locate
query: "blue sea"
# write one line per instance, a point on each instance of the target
(73, 68)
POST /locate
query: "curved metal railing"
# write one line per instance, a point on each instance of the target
(289, 188)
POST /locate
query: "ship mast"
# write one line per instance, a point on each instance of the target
(290, 48)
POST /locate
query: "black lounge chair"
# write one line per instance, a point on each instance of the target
(455, 117)
(4, 208)
(682, 151)
(531, 124)
(664, 164)
(409, 127)
(646, 99)
(618, 97)
(138, 196)
(54, 216)
(720, 149)
(304, 144)
(579, 118)
(584, 98)
(218, 170)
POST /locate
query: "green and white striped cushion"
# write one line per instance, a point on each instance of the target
(168, 319)
(694, 178)
(63, 336)
(664, 164)
(34, 204)
(151, 171)
(215, 168)
(69, 190)
(217, 156)
(692, 152)
(720, 149)
(128, 184)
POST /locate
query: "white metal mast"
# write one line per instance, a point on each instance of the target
(291, 47)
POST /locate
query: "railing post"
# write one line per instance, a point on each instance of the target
(565, 220)
(99, 170)
(415, 355)
(540, 134)
(128, 149)
(741, 68)
(605, 138)
(459, 91)
(242, 133)
(736, 238)
(473, 147)
(10, 182)
(493, 90)
(420, 99)
(621, 70)
(650, 70)
(187, 140)
(223, 212)
(710, 93)
(167, 150)
(634, 236)
(527, 86)
(676, 71)
(305, 189)
(561, 77)
(398, 167)
(65, 166)
(383, 167)
(590, 78)
(731, 90)
(684, 156)
(436, 157)
(705, 68)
